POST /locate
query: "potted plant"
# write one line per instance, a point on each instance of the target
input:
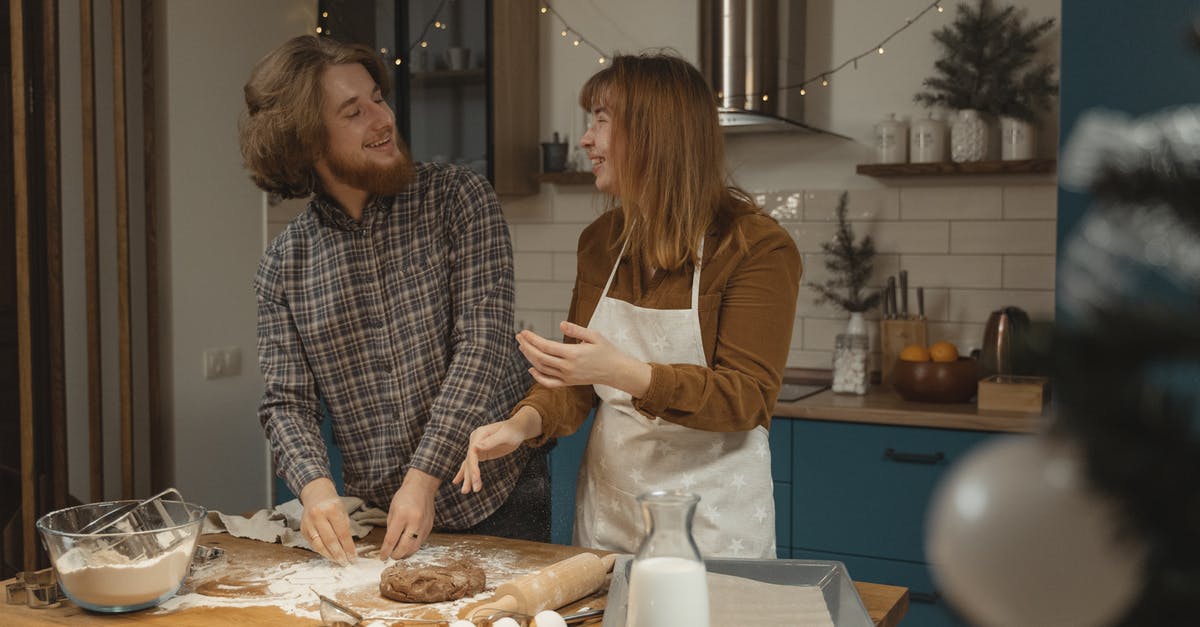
(988, 66)
(850, 265)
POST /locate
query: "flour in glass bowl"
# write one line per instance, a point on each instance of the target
(291, 586)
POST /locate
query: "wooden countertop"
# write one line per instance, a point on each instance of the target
(244, 558)
(883, 406)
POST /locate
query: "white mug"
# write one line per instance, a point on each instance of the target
(457, 57)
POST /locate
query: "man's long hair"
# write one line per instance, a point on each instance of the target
(280, 131)
(669, 157)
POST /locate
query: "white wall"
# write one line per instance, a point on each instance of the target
(975, 243)
(212, 240)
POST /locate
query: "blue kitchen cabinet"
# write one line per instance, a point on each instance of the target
(860, 493)
(564, 468)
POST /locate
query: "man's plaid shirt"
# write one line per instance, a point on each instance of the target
(403, 325)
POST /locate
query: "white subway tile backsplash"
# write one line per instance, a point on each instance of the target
(550, 295)
(785, 206)
(822, 360)
(578, 204)
(966, 337)
(534, 266)
(950, 203)
(1019, 237)
(527, 209)
(909, 237)
(810, 235)
(541, 322)
(1029, 272)
(861, 204)
(1031, 202)
(976, 305)
(545, 237)
(978, 271)
(564, 266)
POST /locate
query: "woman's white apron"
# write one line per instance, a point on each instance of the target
(629, 454)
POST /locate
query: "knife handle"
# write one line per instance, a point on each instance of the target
(921, 303)
(904, 294)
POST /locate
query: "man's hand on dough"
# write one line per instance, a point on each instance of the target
(410, 516)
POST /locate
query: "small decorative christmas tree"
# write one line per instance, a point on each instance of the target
(850, 265)
(988, 64)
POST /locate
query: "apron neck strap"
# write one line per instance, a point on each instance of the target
(695, 273)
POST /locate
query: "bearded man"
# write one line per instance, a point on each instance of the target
(388, 302)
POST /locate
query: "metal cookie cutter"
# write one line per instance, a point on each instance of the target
(36, 589)
(201, 556)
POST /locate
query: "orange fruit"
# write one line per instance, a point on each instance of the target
(943, 351)
(914, 352)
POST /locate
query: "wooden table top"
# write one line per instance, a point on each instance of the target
(244, 559)
(883, 406)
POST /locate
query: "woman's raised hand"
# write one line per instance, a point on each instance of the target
(496, 440)
(593, 359)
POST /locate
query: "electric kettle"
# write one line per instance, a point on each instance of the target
(1003, 339)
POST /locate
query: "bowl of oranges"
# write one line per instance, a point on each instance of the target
(935, 374)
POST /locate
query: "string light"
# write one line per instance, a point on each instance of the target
(565, 30)
(877, 49)
(435, 22)
(823, 77)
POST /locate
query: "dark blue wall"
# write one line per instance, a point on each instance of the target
(1128, 55)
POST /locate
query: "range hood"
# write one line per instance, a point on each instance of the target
(749, 50)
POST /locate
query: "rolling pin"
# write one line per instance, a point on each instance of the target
(548, 589)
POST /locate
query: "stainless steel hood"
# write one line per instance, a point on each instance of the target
(749, 50)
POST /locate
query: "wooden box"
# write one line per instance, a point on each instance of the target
(894, 335)
(1001, 392)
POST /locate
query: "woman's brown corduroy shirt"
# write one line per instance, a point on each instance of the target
(747, 308)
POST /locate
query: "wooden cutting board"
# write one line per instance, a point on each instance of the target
(239, 572)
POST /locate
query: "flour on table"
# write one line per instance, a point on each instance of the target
(291, 586)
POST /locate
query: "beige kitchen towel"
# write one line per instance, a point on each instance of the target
(282, 524)
(738, 602)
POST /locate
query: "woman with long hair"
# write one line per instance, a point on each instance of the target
(678, 329)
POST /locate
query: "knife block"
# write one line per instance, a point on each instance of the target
(894, 335)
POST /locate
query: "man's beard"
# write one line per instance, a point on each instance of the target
(375, 179)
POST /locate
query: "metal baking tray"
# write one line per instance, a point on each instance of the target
(841, 597)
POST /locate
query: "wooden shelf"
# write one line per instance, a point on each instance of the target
(567, 178)
(1029, 166)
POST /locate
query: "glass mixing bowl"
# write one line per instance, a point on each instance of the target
(138, 563)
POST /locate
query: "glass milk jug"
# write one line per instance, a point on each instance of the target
(668, 586)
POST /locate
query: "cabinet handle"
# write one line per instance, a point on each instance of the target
(924, 597)
(914, 458)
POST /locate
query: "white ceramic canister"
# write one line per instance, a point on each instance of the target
(968, 137)
(1016, 139)
(927, 141)
(891, 140)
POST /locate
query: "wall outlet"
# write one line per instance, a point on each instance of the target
(225, 361)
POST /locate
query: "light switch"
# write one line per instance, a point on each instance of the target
(225, 361)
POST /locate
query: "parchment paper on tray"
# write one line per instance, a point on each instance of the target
(741, 601)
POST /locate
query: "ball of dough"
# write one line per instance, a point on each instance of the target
(549, 618)
(506, 622)
(462, 623)
(431, 584)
